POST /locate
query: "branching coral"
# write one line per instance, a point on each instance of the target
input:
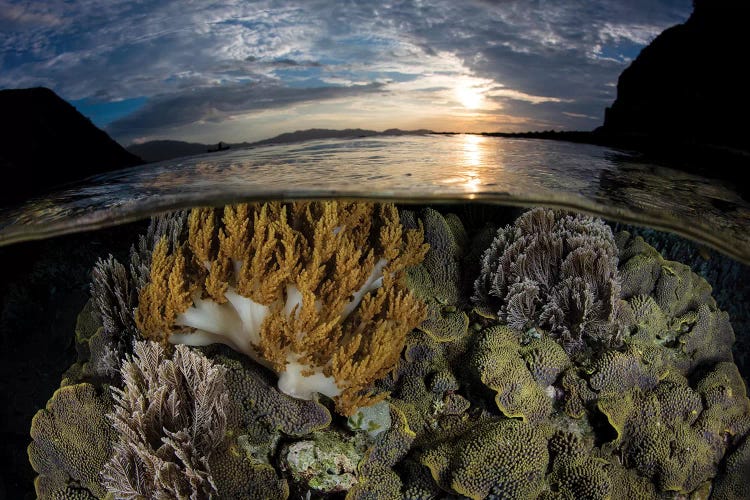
(314, 291)
(170, 416)
(555, 271)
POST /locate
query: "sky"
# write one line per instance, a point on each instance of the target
(207, 71)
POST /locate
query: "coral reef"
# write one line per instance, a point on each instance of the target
(586, 365)
(312, 290)
(519, 375)
(672, 307)
(555, 271)
(504, 458)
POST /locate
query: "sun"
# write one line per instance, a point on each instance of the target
(469, 97)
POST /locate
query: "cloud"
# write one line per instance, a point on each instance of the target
(216, 104)
(536, 62)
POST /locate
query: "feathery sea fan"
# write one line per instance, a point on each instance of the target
(170, 416)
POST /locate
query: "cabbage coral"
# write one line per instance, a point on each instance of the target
(314, 291)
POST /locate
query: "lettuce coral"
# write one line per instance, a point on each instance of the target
(554, 271)
(252, 390)
(503, 458)
(672, 309)
(72, 441)
(437, 280)
(314, 291)
(497, 362)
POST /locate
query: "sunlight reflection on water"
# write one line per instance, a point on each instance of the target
(410, 169)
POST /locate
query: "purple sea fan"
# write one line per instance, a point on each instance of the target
(555, 271)
(171, 415)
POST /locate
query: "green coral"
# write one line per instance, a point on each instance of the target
(677, 435)
(672, 308)
(504, 458)
(426, 380)
(253, 390)
(72, 440)
(437, 280)
(239, 476)
(498, 361)
(732, 484)
(377, 479)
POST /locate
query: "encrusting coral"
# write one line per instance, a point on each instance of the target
(437, 280)
(521, 376)
(504, 458)
(671, 308)
(71, 443)
(555, 271)
(314, 291)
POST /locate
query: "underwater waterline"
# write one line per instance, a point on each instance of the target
(420, 460)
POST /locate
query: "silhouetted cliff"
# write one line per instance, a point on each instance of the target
(45, 142)
(690, 84)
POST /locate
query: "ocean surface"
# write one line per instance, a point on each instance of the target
(413, 169)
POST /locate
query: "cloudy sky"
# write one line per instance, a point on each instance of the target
(247, 70)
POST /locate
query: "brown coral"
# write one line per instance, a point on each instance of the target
(314, 291)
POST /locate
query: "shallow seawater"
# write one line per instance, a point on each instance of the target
(542, 355)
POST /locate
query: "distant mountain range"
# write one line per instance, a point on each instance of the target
(153, 151)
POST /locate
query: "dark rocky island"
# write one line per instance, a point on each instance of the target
(45, 142)
(689, 85)
(682, 101)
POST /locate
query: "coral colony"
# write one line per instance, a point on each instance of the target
(328, 348)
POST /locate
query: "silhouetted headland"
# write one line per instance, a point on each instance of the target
(683, 101)
(45, 142)
(690, 84)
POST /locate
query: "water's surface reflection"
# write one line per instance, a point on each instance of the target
(408, 169)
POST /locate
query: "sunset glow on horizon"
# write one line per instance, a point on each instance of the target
(243, 71)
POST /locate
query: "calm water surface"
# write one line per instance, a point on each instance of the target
(598, 180)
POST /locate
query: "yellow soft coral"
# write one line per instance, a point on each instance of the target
(314, 291)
